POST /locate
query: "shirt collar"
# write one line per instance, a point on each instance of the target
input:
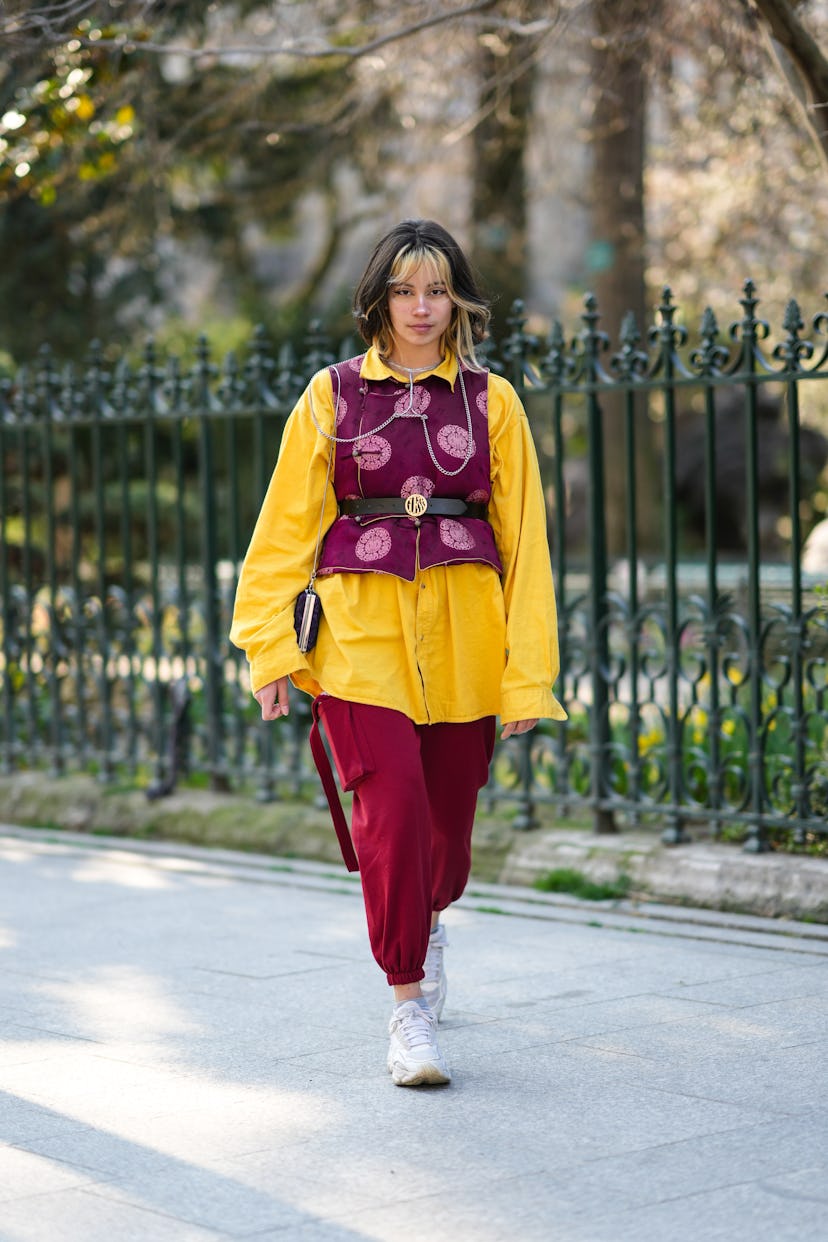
(373, 368)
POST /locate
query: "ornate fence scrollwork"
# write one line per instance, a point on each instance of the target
(696, 685)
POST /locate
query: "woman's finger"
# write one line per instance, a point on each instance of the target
(516, 727)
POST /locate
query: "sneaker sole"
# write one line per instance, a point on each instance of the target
(429, 1075)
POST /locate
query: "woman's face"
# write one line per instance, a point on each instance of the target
(420, 310)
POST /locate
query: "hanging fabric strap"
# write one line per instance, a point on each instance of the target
(323, 767)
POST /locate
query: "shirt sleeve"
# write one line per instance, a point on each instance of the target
(279, 561)
(517, 512)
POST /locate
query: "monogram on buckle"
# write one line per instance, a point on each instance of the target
(415, 505)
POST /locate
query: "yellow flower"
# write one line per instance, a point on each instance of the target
(649, 740)
(728, 727)
(85, 109)
(735, 676)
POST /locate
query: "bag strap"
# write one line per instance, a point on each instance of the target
(323, 767)
(327, 479)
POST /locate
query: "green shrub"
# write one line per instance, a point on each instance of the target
(568, 880)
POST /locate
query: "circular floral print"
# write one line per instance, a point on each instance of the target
(477, 497)
(455, 535)
(419, 484)
(341, 409)
(483, 402)
(373, 544)
(356, 363)
(372, 452)
(414, 401)
(454, 440)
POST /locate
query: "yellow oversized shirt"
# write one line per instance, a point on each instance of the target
(457, 643)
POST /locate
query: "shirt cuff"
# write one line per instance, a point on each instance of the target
(529, 703)
(275, 652)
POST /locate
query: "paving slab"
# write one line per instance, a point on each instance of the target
(193, 1047)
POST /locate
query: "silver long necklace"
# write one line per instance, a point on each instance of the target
(469, 442)
(406, 413)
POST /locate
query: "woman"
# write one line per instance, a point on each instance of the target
(418, 467)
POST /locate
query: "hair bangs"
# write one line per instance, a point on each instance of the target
(410, 259)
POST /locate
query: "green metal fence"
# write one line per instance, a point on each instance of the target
(694, 669)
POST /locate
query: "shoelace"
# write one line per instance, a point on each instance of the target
(415, 1027)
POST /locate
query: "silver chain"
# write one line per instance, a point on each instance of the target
(469, 446)
(345, 439)
(407, 413)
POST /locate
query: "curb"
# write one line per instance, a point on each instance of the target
(702, 874)
(706, 874)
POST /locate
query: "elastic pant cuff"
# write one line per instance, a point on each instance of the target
(397, 978)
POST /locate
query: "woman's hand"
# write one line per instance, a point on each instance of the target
(517, 726)
(273, 699)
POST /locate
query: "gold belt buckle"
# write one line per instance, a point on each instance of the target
(415, 505)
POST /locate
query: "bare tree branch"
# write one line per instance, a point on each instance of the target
(53, 23)
(48, 22)
(42, 23)
(801, 62)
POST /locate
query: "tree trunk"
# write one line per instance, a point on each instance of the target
(619, 65)
(499, 209)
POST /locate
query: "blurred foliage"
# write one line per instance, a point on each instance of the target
(735, 186)
(159, 165)
(118, 167)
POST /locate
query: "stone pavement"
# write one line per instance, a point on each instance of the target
(193, 1047)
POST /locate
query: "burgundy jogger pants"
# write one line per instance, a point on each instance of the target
(415, 791)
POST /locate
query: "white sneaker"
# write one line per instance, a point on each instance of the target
(435, 985)
(413, 1056)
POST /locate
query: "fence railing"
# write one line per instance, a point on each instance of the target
(694, 665)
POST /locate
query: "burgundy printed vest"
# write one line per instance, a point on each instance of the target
(395, 461)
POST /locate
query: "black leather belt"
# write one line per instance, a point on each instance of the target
(413, 506)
